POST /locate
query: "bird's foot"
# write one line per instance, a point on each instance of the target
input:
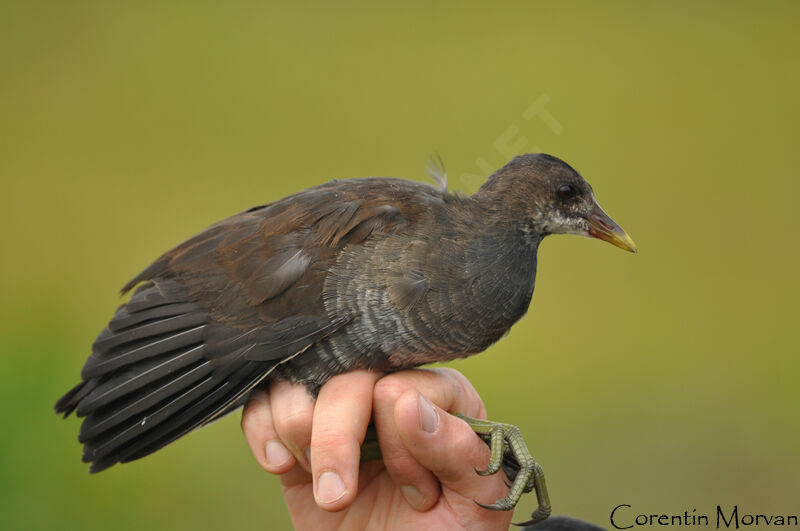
(509, 452)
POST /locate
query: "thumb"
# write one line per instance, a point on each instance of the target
(449, 448)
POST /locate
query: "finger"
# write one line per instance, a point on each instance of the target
(449, 448)
(448, 389)
(292, 415)
(261, 436)
(445, 387)
(341, 415)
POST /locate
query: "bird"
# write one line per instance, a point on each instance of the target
(369, 273)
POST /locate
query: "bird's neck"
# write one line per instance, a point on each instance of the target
(504, 213)
(509, 253)
(506, 260)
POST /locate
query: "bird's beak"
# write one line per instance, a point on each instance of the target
(604, 228)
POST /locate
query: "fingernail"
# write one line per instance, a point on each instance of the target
(330, 487)
(307, 453)
(276, 454)
(428, 418)
(413, 496)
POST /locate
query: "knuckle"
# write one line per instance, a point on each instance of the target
(256, 402)
(455, 378)
(404, 469)
(333, 439)
(393, 450)
(246, 424)
(255, 418)
(467, 392)
(470, 447)
(247, 411)
(294, 424)
(330, 446)
(453, 374)
(389, 389)
(464, 440)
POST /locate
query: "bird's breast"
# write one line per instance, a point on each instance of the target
(420, 301)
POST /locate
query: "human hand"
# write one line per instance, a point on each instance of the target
(427, 477)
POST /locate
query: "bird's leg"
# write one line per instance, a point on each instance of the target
(511, 469)
(370, 451)
(508, 451)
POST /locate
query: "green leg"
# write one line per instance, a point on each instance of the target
(370, 451)
(508, 451)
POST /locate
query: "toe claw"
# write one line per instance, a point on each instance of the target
(535, 519)
(503, 504)
(491, 507)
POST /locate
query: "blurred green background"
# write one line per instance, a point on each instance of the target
(667, 380)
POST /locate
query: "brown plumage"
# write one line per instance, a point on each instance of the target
(365, 273)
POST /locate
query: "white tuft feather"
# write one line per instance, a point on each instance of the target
(437, 171)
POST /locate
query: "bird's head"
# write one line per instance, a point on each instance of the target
(555, 198)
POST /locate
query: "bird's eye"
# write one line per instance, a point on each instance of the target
(566, 191)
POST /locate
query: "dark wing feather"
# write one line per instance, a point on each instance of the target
(113, 350)
(217, 314)
(149, 382)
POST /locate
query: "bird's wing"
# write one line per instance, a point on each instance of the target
(213, 317)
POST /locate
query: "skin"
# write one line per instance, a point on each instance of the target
(427, 477)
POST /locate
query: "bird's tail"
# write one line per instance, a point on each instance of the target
(153, 376)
